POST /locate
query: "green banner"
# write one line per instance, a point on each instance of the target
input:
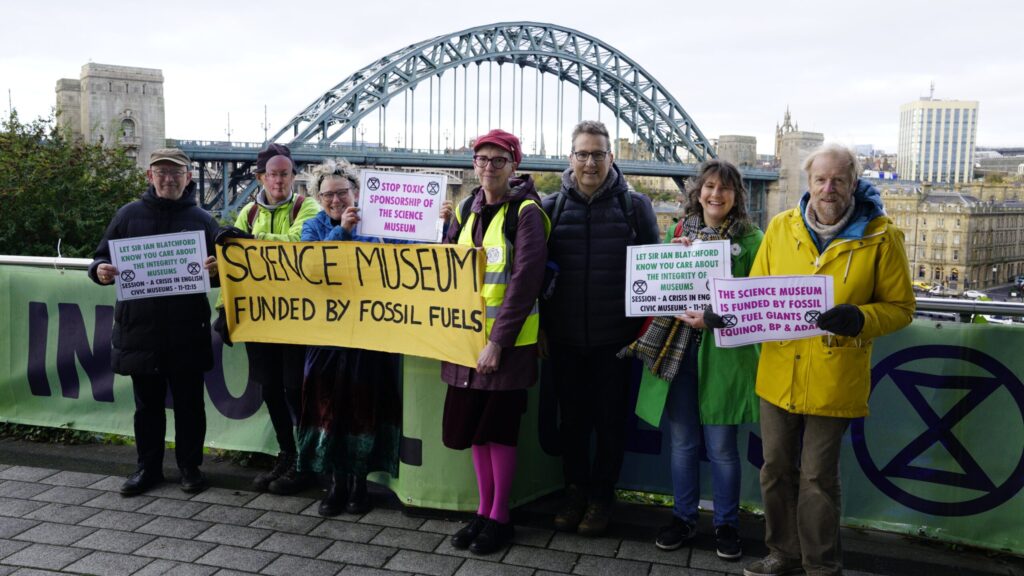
(942, 454)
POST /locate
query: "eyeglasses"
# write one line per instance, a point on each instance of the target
(159, 173)
(497, 161)
(332, 195)
(598, 157)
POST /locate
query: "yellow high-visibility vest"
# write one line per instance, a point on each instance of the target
(499, 251)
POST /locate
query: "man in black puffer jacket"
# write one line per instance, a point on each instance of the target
(163, 342)
(594, 218)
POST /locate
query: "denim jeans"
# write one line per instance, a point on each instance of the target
(685, 434)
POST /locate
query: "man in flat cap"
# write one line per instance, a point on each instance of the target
(277, 214)
(163, 343)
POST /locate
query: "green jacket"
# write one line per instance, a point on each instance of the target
(277, 224)
(726, 376)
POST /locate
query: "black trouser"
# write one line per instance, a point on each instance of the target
(151, 418)
(277, 369)
(592, 385)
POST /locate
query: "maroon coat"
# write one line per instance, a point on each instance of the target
(518, 366)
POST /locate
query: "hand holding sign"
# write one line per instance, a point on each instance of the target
(767, 308)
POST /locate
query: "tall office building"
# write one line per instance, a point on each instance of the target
(937, 140)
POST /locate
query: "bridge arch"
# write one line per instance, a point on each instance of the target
(616, 81)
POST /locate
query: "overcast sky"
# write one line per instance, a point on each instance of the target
(733, 66)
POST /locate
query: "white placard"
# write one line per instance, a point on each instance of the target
(766, 308)
(162, 265)
(401, 205)
(668, 279)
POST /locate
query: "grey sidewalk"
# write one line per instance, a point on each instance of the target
(60, 512)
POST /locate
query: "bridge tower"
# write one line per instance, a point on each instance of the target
(119, 105)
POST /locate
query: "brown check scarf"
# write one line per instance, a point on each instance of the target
(662, 346)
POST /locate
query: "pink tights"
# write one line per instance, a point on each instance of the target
(495, 466)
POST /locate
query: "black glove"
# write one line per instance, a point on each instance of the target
(842, 320)
(712, 320)
(220, 325)
(228, 233)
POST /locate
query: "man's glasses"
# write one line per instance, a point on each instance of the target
(332, 195)
(159, 173)
(581, 156)
(497, 161)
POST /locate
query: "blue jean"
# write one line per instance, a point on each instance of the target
(685, 434)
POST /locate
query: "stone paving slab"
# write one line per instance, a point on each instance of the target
(114, 541)
(45, 556)
(295, 544)
(8, 547)
(709, 560)
(67, 495)
(292, 504)
(648, 552)
(233, 535)
(63, 513)
(174, 527)
(117, 520)
(408, 539)
(10, 527)
(474, 567)
(422, 563)
(228, 514)
(581, 545)
(175, 549)
(108, 484)
(593, 566)
(224, 496)
(26, 473)
(553, 560)
(108, 564)
(15, 508)
(58, 534)
(170, 568)
(392, 518)
(284, 522)
(172, 507)
(293, 565)
(347, 531)
(665, 570)
(236, 558)
(19, 489)
(112, 501)
(34, 572)
(75, 479)
(364, 571)
(355, 553)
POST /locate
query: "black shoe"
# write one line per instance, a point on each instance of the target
(358, 498)
(285, 461)
(337, 496)
(570, 514)
(728, 544)
(464, 537)
(193, 481)
(140, 481)
(291, 482)
(675, 534)
(492, 538)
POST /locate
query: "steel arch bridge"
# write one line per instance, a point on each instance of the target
(595, 67)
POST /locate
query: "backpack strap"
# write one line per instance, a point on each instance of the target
(556, 212)
(254, 210)
(626, 203)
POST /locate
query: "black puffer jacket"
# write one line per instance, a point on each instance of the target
(589, 244)
(171, 333)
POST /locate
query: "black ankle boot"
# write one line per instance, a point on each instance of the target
(337, 495)
(358, 499)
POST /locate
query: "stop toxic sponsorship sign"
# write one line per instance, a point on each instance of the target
(401, 206)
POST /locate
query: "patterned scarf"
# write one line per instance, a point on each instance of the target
(663, 344)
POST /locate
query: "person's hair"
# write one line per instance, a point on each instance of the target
(333, 168)
(840, 153)
(592, 127)
(729, 176)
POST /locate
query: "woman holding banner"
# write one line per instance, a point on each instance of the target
(484, 404)
(712, 389)
(350, 415)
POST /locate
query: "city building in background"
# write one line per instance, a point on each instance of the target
(936, 142)
(792, 146)
(961, 237)
(119, 105)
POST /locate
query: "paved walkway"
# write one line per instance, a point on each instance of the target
(58, 518)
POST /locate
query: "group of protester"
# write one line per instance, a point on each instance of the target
(336, 411)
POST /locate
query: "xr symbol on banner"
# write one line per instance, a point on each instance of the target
(193, 268)
(127, 275)
(729, 320)
(639, 287)
(433, 188)
(980, 376)
(373, 183)
(811, 317)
